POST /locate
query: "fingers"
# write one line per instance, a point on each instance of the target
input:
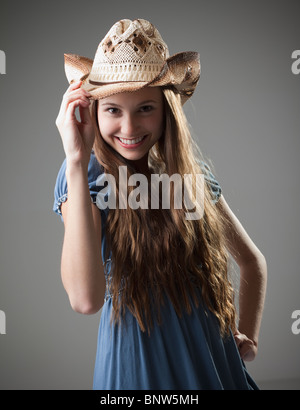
(239, 338)
(85, 115)
(246, 350)
(246, 347)
(75, 86)
(73, 93)
(70, 113)
(74, 97)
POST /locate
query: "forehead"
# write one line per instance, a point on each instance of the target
(134, 98)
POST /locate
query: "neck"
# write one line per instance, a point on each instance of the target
(141, 165)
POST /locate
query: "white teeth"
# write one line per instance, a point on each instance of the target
(131, 141)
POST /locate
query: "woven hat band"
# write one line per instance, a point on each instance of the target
(124, 72)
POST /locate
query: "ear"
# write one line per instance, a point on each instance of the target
(77, 68)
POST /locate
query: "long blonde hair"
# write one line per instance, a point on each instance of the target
(158, 252)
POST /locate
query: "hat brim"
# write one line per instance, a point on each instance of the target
(182, 70)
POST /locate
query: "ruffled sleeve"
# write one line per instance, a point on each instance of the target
(61, 188)
(213, 184)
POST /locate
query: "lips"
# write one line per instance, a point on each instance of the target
(131, 142)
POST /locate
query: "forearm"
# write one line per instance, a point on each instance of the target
(81, 264)
(252, 296)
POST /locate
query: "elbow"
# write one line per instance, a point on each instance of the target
(86, 306)
(255, 265)
(84, 299)
(251, 257)
(261, 262)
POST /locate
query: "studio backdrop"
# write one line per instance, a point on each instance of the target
(245, 118)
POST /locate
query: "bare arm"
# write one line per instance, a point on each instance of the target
(253, 280)
(81, 263)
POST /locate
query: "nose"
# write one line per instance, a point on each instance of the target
(130, 126)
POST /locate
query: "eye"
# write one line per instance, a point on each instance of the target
(113, 110)
(146, 108)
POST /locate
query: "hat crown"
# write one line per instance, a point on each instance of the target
(131, 51)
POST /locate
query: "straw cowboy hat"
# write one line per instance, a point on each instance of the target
(131, 56)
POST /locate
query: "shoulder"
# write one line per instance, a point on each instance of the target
(211, 181)
(95, 169)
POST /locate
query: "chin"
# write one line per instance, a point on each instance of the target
(133, 157)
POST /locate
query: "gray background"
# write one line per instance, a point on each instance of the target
(245, 114)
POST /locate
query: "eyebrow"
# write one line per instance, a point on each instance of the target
(111, 104)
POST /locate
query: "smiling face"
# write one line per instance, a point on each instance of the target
(132, 123)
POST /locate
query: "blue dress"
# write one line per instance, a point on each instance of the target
(185, 353)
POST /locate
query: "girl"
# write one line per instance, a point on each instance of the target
(168, 320)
